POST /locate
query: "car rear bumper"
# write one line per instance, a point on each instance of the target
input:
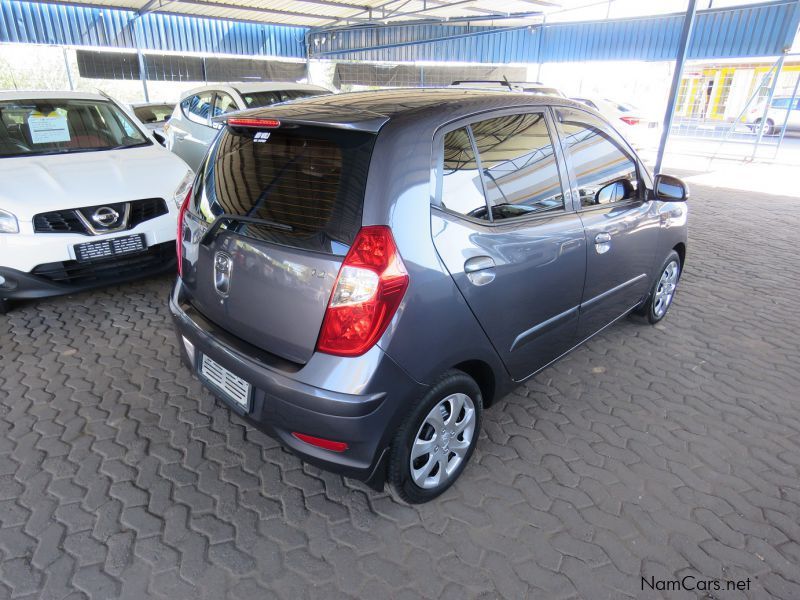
(70, 276)
(359, 401)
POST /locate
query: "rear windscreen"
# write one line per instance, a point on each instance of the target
(306, 182)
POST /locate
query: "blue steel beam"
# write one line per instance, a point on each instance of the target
(683, 49)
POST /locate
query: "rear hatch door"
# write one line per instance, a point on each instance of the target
(277, 210)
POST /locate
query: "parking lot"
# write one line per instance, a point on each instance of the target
(658, 452)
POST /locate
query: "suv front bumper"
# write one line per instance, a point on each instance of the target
(359, 401)
(67, 277)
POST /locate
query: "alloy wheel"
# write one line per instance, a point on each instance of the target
(666, 288)
(442, 441)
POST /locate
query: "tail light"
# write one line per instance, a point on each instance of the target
(179, 236)
(630, 120)
(370, 286)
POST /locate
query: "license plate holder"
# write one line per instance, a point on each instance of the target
(109, 248)
(230, 387)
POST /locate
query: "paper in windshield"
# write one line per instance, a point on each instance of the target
(47, 129)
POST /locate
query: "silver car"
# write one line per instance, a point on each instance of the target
(191, 130)
(361, 275)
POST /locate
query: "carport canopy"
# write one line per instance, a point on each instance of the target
(333, 13)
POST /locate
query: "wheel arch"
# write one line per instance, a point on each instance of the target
(680, 248)
(483, 375)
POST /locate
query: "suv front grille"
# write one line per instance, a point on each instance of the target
(72, 272)
(68, 221)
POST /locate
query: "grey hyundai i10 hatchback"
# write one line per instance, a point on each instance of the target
(361, 275)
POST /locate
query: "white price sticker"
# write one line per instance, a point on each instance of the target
(50, 129)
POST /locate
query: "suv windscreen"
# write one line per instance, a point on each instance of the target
(38, 127)
(307, 181)
(256, 99)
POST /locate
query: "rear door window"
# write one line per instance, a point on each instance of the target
(519, 165)
(224, 104)
(306, 183)
(462, 188)
(516, 174)
(198, 108)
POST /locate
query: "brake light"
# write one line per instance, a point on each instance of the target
(630, 120)
(254, 122)
(321, 442)
(179, 236)
(369, 287)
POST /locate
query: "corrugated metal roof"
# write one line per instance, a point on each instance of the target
(325, 13)
(755, 30)
(61, 24)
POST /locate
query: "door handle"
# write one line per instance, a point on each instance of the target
(480, 270)
(602, 243)
(602, 238)
(478, 263)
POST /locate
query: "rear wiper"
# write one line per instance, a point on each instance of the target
(228, 218)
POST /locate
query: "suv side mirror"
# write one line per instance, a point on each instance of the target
(670, 189)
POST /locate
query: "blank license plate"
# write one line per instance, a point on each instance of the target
(108, 248)
(234, 388)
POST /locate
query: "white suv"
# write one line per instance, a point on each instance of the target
(191, 129)
(88, 198)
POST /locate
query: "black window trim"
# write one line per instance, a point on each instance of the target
(623, 147)
(437, 165)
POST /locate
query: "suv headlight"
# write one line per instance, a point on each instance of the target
(183, 188)
(8, 222)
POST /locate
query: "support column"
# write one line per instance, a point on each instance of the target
(142, 68)
(788, 112)
(778, 69)
(683, 47)
(67, 69)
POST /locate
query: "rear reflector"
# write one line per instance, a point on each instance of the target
(630, 120)
(320, 442)
(253, 122)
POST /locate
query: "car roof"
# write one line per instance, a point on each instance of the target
(258, 86)
(49, 95)
(370, 110)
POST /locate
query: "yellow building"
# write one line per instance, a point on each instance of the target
(720, 92)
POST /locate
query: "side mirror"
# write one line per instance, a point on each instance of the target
(670, 189)
(160, 139)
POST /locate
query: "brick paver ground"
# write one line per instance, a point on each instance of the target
(659, 452)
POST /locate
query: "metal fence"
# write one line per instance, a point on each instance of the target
(744, 110)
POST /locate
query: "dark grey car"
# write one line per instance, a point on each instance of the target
(363, 274)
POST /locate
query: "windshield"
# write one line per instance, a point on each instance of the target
(154, 113)
(256, 99)
(37, 127)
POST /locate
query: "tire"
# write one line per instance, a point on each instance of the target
(421, 480)
(5, 306)
(769, 126)
(660, 298)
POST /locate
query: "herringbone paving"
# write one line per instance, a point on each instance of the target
(650, 452)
